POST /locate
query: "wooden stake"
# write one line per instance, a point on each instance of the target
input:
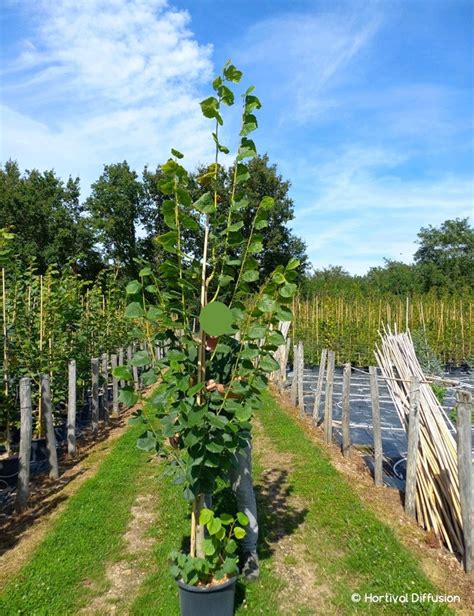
(26, 430)
(71, 409)
(115, 387)
(464, 424)
(412, 453)
(346, 388)
(328, 398)
(300, 378)
(47, 405)
(95, 394)
(319, 386)
(374, 392)
(294, 382)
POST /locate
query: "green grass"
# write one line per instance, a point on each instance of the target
(346, 546)
(344, 539)
(71, 561)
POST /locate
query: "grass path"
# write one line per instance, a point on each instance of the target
(318, 546)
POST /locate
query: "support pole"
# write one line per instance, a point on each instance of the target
(319, 386)
(377, 429)
(47, 411)
(412, 452)
(300, 378)
(328, 399)
(71, 409)
(95, 394)
(26, 430)
(115, 387)
(464, 422)
(346, 388)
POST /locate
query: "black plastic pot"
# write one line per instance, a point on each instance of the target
(211, 601)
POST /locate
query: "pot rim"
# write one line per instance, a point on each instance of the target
(207, 589)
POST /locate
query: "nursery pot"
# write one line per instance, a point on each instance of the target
(207, 601)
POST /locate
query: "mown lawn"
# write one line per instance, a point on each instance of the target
(346, 546)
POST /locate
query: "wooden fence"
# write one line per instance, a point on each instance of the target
(325, 383)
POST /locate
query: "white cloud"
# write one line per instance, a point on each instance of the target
(307, 55)
(105, 80)
(362, 210)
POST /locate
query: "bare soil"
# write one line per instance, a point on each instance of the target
(125, 576)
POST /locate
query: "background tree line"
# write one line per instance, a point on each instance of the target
(118, 223)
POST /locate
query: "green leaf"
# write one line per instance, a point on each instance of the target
(144, 272)
(250, 275)
(268, 364)
(249, 124)
(261, 224)
(225, 280)
(249, 353)
(241, 204)
(192, 391)
(293, 264)
(168, 241)
(208, 546)
(288, 290)
(148, 377)
(236, 226)
(146, 442)
(122, 373)
(210, 107)
(205, 204)
(251, 103)
(175, 355)
(214, 526)
(206, 516)
(177, 153)
(242, 518)
(134, 311)
(154, 313)
(267, 304)
(226, 95)
(247, 149)
(284, 314)
(231, 547)
(215, 447)
(244, 413)
(226, 519)
(239, 532)
(127, 396)
(232, 74)
(242, 173)
(133, 287)
(257, 331)
(267, 202)
(276, 338)
(140, 359)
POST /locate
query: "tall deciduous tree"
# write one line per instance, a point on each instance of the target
(46, 217)
(116, 208)
(446, 254)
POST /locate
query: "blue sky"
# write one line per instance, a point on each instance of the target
(367, 105)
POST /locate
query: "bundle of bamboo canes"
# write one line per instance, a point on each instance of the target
(437, 482)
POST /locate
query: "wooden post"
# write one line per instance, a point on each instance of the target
(294, 382)
(120, 363)
(374, 393)
(412, 452)
(115, 384)
(95, 394)
(319, 386)
(71, 409)
(47, 411)
(26, 430)
(464, 413)
(105, 386)
(346, 389)
(300, 378)
(130, 353)
(328, 399)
